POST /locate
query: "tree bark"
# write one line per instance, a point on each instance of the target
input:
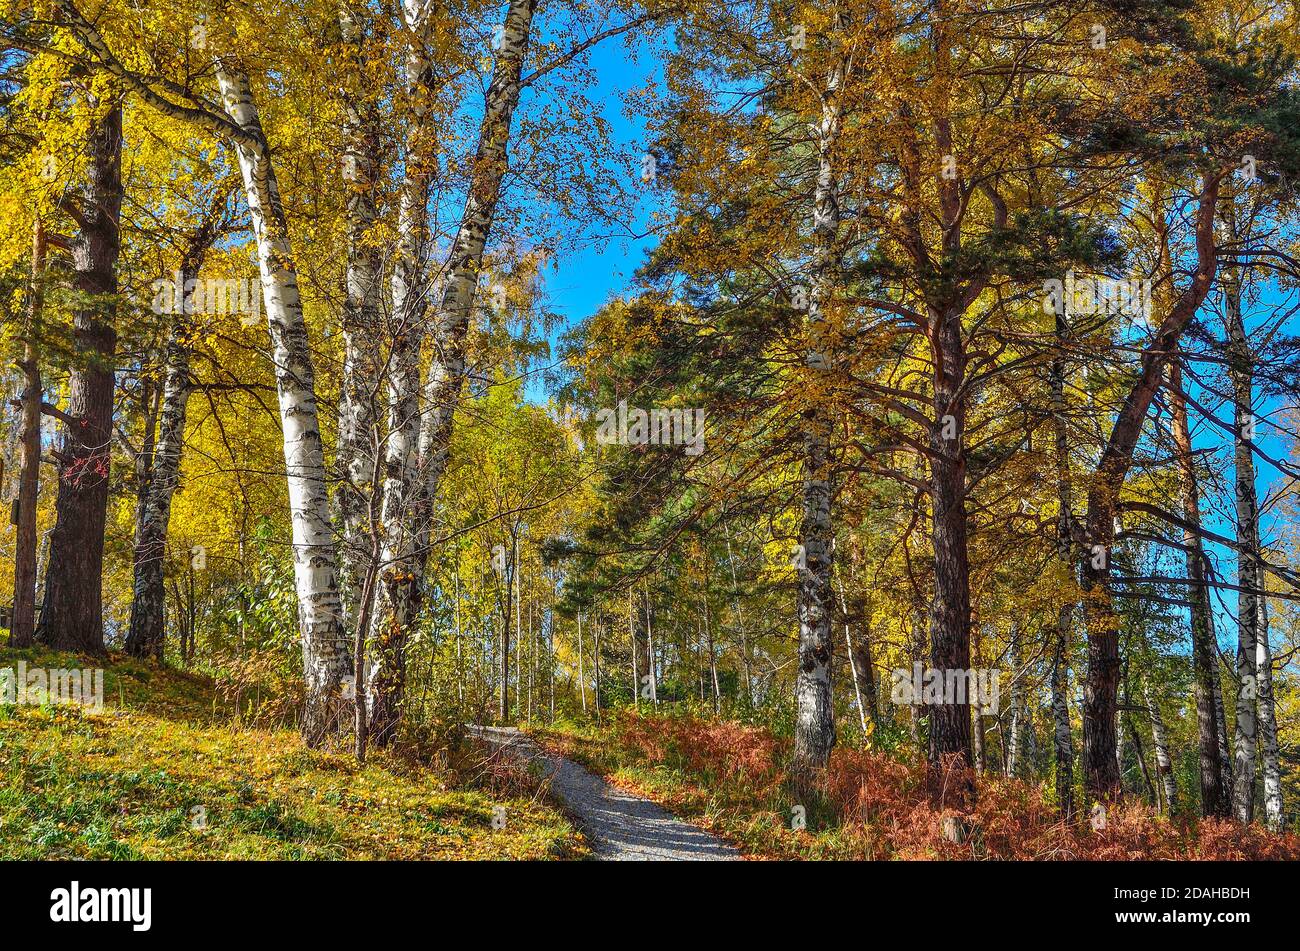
(320, 609)
(503, 699)
(22, 629)
(582, 679)
(950, 722)
(1205, 651)
(399, 593)
(1101, 774)
(1015, 738)
(1064, 743)
(1061, 716)
(746, 664)
(814, 703)
(451, 328)
(1256, 716)
(362, 331)
(850, 653)
(147, 634)
(1160, 740)
(72, 615)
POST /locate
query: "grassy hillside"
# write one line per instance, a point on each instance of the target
(164, 772)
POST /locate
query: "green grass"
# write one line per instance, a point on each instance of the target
(163, 773)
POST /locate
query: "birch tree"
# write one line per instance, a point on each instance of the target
(237, 121)
(146, 635)
(442, 390)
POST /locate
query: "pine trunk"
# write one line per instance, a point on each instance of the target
(950, 616)
(72, 615)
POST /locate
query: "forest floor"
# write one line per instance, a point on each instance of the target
(621, 825)
(166, 771)
(733, 780)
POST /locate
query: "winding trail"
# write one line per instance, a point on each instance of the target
(620, 825)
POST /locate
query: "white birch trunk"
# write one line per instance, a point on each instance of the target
(447, 374)
(1269, 752)
(324, 641)
(418, 489)
(146, 635)
(1252, 605)
(1160, 740)
(355, 463)
(814, 708)
(1249, 577)
(398, 595)
(1016, 739)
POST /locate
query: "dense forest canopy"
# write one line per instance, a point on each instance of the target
(944, 403)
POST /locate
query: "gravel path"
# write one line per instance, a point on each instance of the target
(620, 825)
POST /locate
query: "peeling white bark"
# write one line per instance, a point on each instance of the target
(324, 641)
(362, 368)
(443, 388)
(814, 708)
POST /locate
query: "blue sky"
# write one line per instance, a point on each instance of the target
(605, 258)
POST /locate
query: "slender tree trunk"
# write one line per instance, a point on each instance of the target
(1142, 763)
(460, 662)
(1248, 577)
(320, 610)
(651, 666)
(447, 373)
(950, 616)
(1256, 719)
(582, 677)
(399, 591)
(362, 331)
(520, 661)
(978, 760)
(853, 661)
(864, 663)
(1061, 716)
(72, 615)
(1160, 740)
(744, 636)
(1270, 754)
(503, 710)
(1064, 743)
(1205, 652)
(22, 631)
(1120, 738)
(361, 724)
(713, 657)
(146, 636)
(1221, 731)
(633, 641)
(532, 659)
(1015, 742)
(814, 702)
(595, 663)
